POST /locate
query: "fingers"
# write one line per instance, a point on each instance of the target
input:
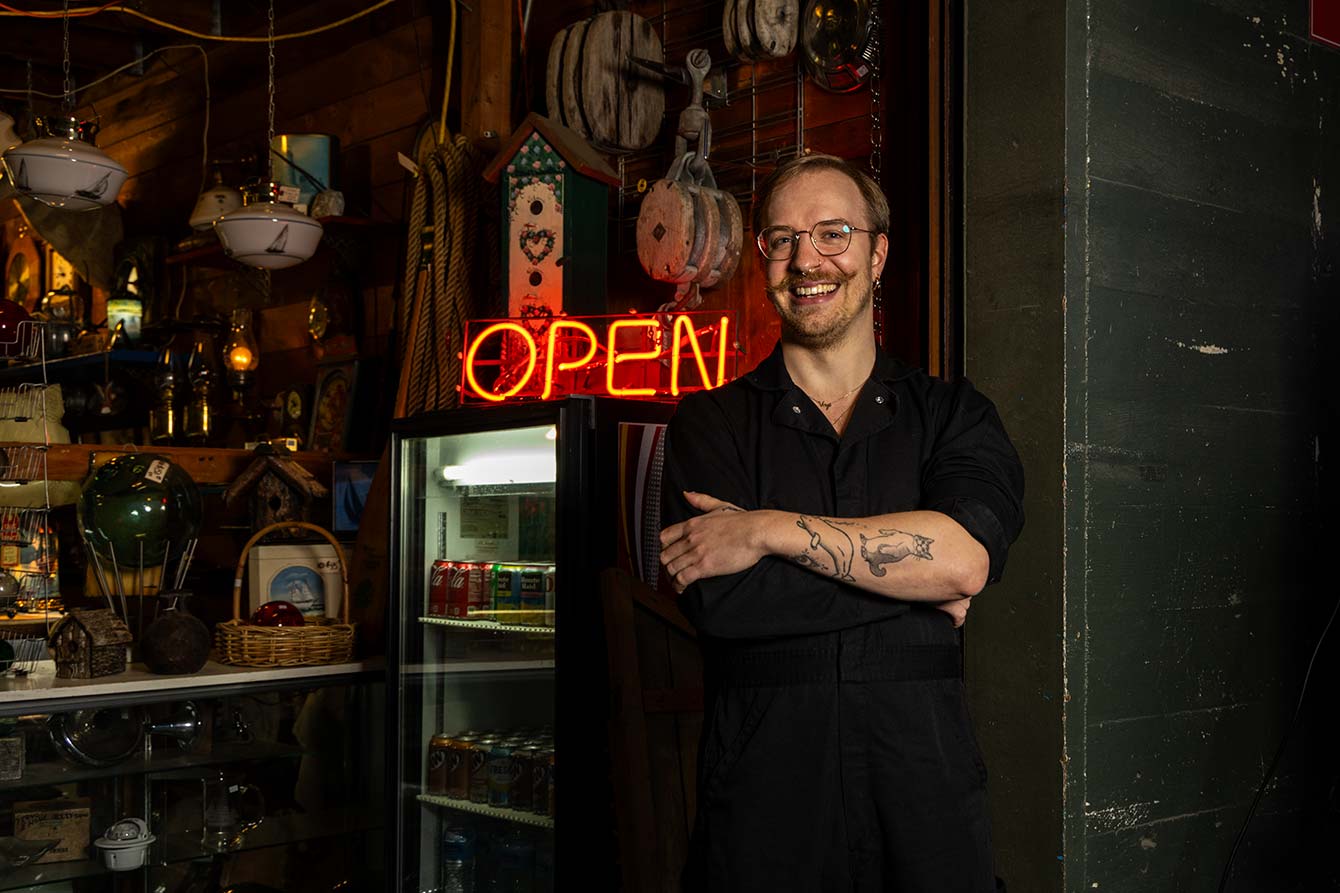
(702, 501)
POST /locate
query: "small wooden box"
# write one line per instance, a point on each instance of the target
(63, 820)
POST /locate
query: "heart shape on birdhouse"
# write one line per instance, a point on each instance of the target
(537, 243)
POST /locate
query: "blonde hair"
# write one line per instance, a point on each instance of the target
(876, 205)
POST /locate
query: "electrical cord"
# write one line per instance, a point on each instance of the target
(1274, 764)
(199, 35)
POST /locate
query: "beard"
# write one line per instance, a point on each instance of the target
(828, 327)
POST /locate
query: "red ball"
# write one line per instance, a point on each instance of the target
(278, 613)
(11, 314)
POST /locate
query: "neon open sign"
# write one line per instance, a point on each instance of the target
(625, 355)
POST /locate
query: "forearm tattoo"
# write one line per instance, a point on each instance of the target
(829, 544)
(892, 546)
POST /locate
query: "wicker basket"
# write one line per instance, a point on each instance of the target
(322, 641)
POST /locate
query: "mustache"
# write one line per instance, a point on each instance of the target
(790, 282)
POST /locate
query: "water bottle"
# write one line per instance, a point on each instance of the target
(458, 862)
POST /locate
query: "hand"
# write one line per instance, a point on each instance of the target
(957, 609)
(725, 539)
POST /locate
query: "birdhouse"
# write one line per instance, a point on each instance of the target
(281, 490)
(89, 643)
(555, 206)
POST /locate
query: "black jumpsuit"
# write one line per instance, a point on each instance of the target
(837, 753)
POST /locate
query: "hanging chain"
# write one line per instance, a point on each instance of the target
(270, 131)
(30, 88)
(67, 104)
(876, 151)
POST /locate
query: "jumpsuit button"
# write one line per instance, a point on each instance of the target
(879, 399)
(795, 409)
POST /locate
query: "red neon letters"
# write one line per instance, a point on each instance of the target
(502, 357)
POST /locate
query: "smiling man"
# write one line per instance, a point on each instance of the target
(833, 514)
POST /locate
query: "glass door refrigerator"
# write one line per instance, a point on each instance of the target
(501, 520)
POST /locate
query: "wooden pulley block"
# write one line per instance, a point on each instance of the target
(593, 87)
(667, 231)
(553, 72)
(730, 240)
(773, 24)
(728, 29)
(569, 88)
(707, 239)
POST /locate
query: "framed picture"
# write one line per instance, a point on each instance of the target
(350, 483)
(332, 406)
(23, 273)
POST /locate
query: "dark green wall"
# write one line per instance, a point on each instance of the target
(1148, 258)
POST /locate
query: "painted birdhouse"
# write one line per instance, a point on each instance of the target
(555, 204)
(281, 490)
(88, 643)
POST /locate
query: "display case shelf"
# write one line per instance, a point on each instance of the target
(51, 873)
(488, 625)
(206, 465)
(515, 816)
(273, 831)
(42, 692)
(164, 760)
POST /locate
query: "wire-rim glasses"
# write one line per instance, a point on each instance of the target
(829, 238)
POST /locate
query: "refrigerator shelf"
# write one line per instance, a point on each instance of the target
(488, 625)
(507, 815)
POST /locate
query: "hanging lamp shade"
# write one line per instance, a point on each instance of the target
(64, 169)
(213, 203)
(267, 234)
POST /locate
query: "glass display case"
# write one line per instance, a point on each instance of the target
(234, 779)
(502, 518)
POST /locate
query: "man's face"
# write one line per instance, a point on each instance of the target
(821, 299)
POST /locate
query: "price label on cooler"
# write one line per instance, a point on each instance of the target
(158, 470)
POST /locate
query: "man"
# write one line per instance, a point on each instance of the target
(832, 515)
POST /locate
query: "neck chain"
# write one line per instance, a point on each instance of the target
(826, 405)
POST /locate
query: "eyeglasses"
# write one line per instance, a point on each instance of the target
(829, 238)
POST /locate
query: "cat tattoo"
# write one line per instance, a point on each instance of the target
(892, 546)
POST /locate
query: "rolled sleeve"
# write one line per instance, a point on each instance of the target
(974, 475)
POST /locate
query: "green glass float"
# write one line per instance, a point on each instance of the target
(139, 499)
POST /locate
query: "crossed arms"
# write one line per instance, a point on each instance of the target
(921, 556)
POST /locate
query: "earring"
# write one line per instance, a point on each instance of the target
(876, 282)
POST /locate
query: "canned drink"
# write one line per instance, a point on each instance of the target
(500, 775)
(532, 597)
(550, 779)
(439, 753)
(539, 782)
(523, 767)
(437, 588)
(507, 592)
(478, 588)
(479, 769)
(550, 599)
(458, 766)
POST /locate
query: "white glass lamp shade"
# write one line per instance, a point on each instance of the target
(268, 235)
(213, 204)
(64, 173)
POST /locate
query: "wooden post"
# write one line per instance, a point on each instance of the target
(487, 45)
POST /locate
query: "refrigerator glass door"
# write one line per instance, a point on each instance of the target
(476, 542)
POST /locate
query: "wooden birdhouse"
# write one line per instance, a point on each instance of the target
(280, 488)
(88, 643)
(555, 206)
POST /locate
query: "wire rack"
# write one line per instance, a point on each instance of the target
(28, 583)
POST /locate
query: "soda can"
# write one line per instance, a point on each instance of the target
(506, 592)
(458, 766)
(539, 782)
(480, 589)
(532, 597)
(500, 775)
(479, 769)
(523, 766)
(550, 600)
(549, 777)
(437, 588)
(439, 755)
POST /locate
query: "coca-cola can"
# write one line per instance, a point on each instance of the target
(437, 588)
